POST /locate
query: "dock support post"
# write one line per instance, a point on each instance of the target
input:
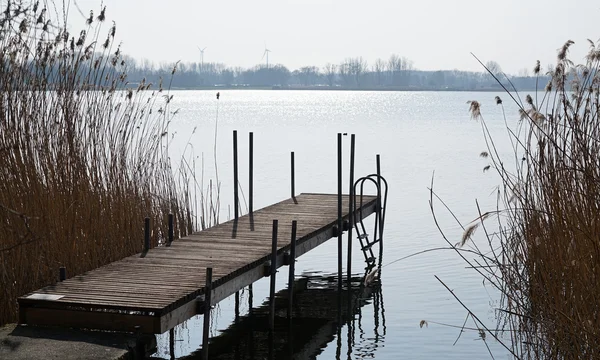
(62, 273)
(236, 201)
(237, 307)
(147, 234)
(172, 344)
(339, 226)
(293, 177)
(380, 211)
(250, 297)
(207, 306)
(291, 272)
(351, 203)
(339, 208)
(251, 173)
(170, 228)
(273, 273)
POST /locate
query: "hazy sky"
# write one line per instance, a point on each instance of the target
(435, 34)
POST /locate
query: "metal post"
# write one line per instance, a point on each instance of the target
(340, 229)
(291, 272)
(170, 228)
(147, 234)
(236, 201)
(251, 174)
(379, 211)
(339, 221)
(207, 305)
(293, 178)
(351, 209)
(273, 272)
(237, 307)
(250, 297)
(62, 273)
(172, 343)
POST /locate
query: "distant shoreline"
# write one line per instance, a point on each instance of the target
(338, 88)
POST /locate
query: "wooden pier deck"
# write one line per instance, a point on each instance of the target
(154, 292)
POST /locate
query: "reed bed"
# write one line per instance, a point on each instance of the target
(544, 256)
(83, 153)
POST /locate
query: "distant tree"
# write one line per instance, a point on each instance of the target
(494, 68)
(394, 68)
(330, 71)
(524, 72)
(308, 75)
(379, 69)
(356, 67)
(345, 73)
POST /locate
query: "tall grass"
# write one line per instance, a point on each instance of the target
(545, 256)
(83, 154)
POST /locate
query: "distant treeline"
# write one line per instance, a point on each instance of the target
(396, 73)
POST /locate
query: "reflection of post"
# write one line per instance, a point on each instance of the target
(291, 272)
(339, 225)
(338, 349)
(271, 345)
(273, 269)
(172, 343)
(350, 328)
(207, 304)
(376, 315)
(237, 307)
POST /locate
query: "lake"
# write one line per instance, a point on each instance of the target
(417, 134)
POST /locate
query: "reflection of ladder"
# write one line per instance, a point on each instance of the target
(362, 235)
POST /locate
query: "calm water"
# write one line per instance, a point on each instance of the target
(416, 134)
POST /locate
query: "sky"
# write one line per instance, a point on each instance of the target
(434, 34)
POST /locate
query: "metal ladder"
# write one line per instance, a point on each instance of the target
(361, 231)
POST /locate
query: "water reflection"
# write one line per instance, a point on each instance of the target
(318, 318)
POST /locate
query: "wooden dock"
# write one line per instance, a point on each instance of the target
(157, 290)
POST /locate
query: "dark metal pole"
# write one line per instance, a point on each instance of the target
(293, 187)
(62, 273)
(351, 208)
(237, 307)
(147, 234)
(291, 272)
(172, 343)
(170, 228)
(251, 174)
(339, 222)
(250, 297)
(236, 201)
(379, 211)
(273, 272)
(207, 305)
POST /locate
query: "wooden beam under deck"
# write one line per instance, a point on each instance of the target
(165, 288)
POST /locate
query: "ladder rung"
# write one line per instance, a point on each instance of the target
(362, 236)
(371, 260)
(369, 245)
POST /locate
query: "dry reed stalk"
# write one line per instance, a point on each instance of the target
(546, 262)
(82, 154)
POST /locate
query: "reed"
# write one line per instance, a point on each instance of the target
(83, 153)
(544, 256)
